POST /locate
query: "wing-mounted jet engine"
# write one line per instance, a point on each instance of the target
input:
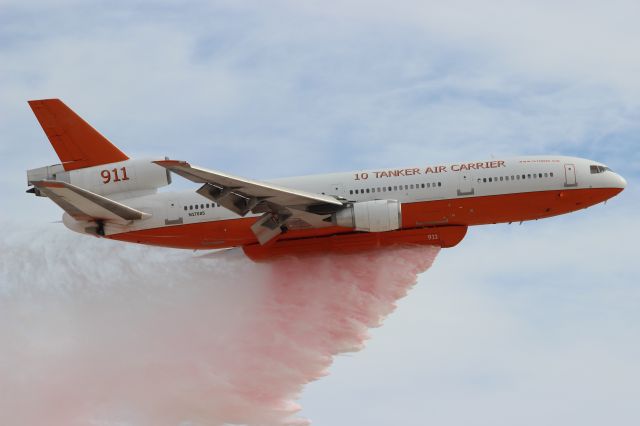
(370, 216)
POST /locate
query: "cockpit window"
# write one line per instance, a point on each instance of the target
(598, 169)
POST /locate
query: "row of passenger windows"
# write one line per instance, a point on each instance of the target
(516, 177)
(395, 188)
(427, 185)
(201, 206)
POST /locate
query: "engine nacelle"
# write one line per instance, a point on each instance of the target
(124, 176)
(371, 216)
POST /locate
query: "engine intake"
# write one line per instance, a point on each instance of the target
(370, 216)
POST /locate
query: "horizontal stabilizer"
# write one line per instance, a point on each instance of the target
(85, 205)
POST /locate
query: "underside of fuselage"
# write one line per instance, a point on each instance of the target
(440, 223)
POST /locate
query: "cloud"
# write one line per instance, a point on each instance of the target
(338, 88)
(545, 39)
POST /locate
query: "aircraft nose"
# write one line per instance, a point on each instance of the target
(623, 182)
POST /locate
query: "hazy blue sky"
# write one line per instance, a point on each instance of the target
(532, 324)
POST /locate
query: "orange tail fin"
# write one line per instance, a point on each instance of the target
(77, 143)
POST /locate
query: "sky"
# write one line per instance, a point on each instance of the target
(532, 323)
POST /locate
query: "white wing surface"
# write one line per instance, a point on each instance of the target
(281, 207)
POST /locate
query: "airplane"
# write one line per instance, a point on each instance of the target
(106, 194)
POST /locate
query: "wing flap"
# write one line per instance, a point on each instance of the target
(85, 205)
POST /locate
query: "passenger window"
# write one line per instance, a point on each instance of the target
(512, 177)
(551, 174)
(524, 176)
(367, 190)
(546, 175)
(501, 178)
(539, 175)
(529, 176)
(395, 188)
(384, 189)
(389, 188)
(411, 186)
(490, 180)
(191, 207)
(439, 183)
(351, 192)
(423, 185)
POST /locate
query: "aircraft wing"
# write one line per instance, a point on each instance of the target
(281, 207)
(85, 205)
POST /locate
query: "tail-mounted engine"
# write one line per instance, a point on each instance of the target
(370, 216)
(123, 176)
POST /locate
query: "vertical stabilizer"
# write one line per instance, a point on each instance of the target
(77, 144)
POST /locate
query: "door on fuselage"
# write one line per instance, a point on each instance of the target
(570, 175)
(174, 213)
(465, 183)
